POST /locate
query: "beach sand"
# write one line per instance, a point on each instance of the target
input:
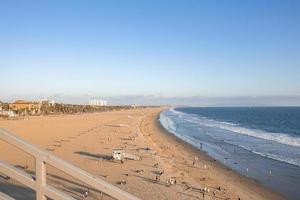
(87, 141)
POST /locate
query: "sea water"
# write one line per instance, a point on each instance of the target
(259, 142)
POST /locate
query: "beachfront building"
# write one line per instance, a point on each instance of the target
(97, 102)
(134, 105)
(47, 102)
(22, 104)
(7, 113)
(51, 103)
(25, 107)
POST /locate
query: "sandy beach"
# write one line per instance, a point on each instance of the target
(87, 141)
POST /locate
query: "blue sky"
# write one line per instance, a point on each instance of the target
(167, 48)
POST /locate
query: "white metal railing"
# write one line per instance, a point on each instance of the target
(39, 183)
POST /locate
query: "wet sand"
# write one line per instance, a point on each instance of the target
(88, 140)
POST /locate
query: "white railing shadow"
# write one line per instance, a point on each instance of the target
(39, 184)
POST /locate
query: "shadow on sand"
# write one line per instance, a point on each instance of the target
(17, 191)
(75, 189)
(95, 156)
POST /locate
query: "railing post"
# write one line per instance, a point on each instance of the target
(40, 174)
(39, 184)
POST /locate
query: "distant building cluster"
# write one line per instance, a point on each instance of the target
(97, 102)
(22, 107)
(25, 108)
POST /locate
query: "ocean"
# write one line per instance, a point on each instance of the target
(262, 143)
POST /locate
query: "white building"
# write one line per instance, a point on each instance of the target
(8, 113)
(97, 102)
(52, 102)
(46, 101)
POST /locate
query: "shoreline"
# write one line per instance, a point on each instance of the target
(240, 186)
(88, 140)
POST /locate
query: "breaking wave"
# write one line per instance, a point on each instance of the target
(276, 137)
(277, 146)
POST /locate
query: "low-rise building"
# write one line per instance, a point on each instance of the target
(7, 113)
(47, 102)
(19, 105)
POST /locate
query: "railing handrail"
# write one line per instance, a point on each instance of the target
(39, 183)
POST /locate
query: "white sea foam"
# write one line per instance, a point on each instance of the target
(176, 112)
(276, 137)
(295, 161)
(267, 148)
(168, 123)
